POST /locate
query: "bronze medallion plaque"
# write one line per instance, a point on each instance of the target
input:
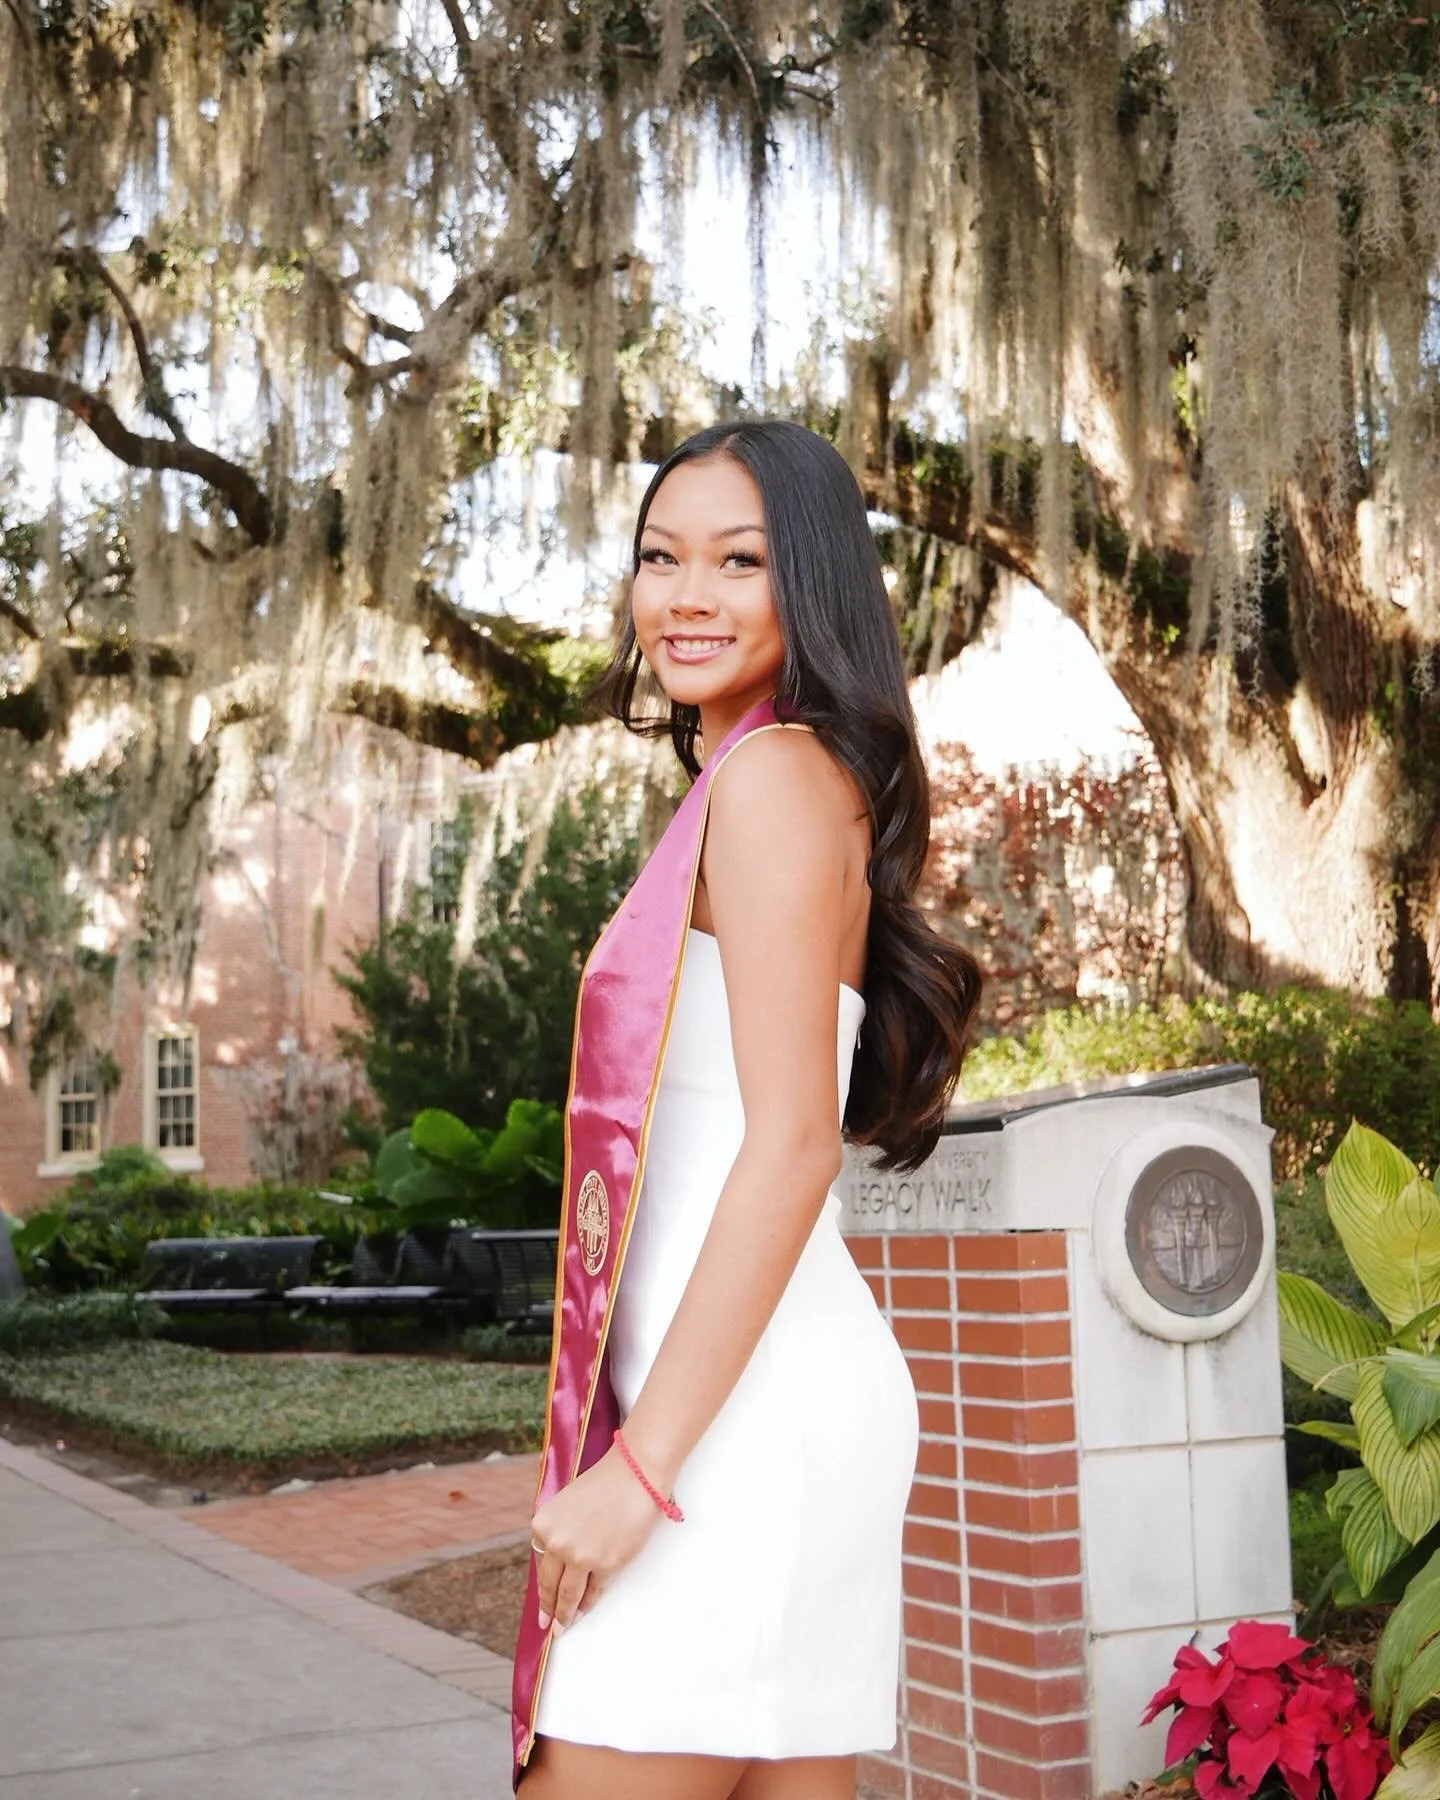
(1194, 1231)
(592, 1221)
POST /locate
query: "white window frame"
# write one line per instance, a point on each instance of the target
(187, 1159)
(65, 1163)
(446, 846)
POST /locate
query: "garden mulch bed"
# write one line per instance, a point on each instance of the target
(478, 1598)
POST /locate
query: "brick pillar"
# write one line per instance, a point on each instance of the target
(993, 1684)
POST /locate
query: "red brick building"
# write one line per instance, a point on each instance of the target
(293, 887)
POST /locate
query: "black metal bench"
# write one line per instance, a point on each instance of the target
(470, 1274)
(488, 1277)
(413, 1275)
(515, 1269)
(241, 1274)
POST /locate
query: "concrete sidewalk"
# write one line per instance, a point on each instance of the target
(142, 1658)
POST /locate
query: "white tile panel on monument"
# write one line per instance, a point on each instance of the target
(1136, 1539)
(1233, 1383)
(1130, 1387)
(1125, 1670)
(1242, 1535)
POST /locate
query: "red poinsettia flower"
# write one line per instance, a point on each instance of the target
(1210, 1783)
(1255, 1701)
(1290, 1747)
(1196, 1682)
(1313, 1701)
(1192, 1727)
(1268, 1706)
(1256, 1646)
(1356, 1763)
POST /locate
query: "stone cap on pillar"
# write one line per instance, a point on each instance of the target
(1167, 1174)
(992, 1115)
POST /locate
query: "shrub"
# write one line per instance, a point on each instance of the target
(465, 1033)
(1323, 1059)
(496, 1343)
(1063, 883)
(33, 1325)
(95, 1235)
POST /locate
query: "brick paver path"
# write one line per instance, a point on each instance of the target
(364, 1530)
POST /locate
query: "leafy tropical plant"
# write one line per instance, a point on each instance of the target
(32, 1236)
(1269, 1713)
(439, 1171)
(1387, 1368)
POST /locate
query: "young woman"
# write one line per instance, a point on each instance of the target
(715, 1597)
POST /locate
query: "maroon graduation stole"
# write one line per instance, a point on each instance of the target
(622, 1025)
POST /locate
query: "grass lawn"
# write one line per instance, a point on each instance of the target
(196, 1410)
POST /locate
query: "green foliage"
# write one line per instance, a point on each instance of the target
(95, 1235)
(497, 1343)
(200, 1408)
(1387, 1216)
(33, 1326)
(1314, 1536)
(116, 1166)
(440, 1172)
(1322, 1059)
(1417, 1775)
(467, 1033)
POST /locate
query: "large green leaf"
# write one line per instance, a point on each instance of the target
(440, 1135)
(1422, 1333)
(396, 1158)
(1411, 1626)
(1411, 1385)
(1322, 1341)
(1417, 1776)
(1388, 1220)
(1408, 1474)
(1417, 1684)
(1333, 1432)
(430, 1186)
(1368, 1535)
(1390, 1589)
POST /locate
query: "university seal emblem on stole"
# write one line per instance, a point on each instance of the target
(592, 1221)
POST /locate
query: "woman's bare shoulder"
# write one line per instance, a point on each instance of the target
(781, 776)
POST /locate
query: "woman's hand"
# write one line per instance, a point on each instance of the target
(587, 1532)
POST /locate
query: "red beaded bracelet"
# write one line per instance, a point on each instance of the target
(668, 1507)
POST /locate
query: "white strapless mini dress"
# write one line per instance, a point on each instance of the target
(768, 1623)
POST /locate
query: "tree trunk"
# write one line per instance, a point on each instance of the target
(1287, 881)
(1304, 773)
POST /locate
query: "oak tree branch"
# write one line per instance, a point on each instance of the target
(236, 486)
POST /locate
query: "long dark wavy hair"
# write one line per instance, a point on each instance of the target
(844, 676)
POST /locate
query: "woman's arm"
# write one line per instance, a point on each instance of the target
(779, 841)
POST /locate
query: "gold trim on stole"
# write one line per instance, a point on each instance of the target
(630, 1210)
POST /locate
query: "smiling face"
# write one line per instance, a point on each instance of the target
(704, 614)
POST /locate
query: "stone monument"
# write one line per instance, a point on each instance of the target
(1083, 1281)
